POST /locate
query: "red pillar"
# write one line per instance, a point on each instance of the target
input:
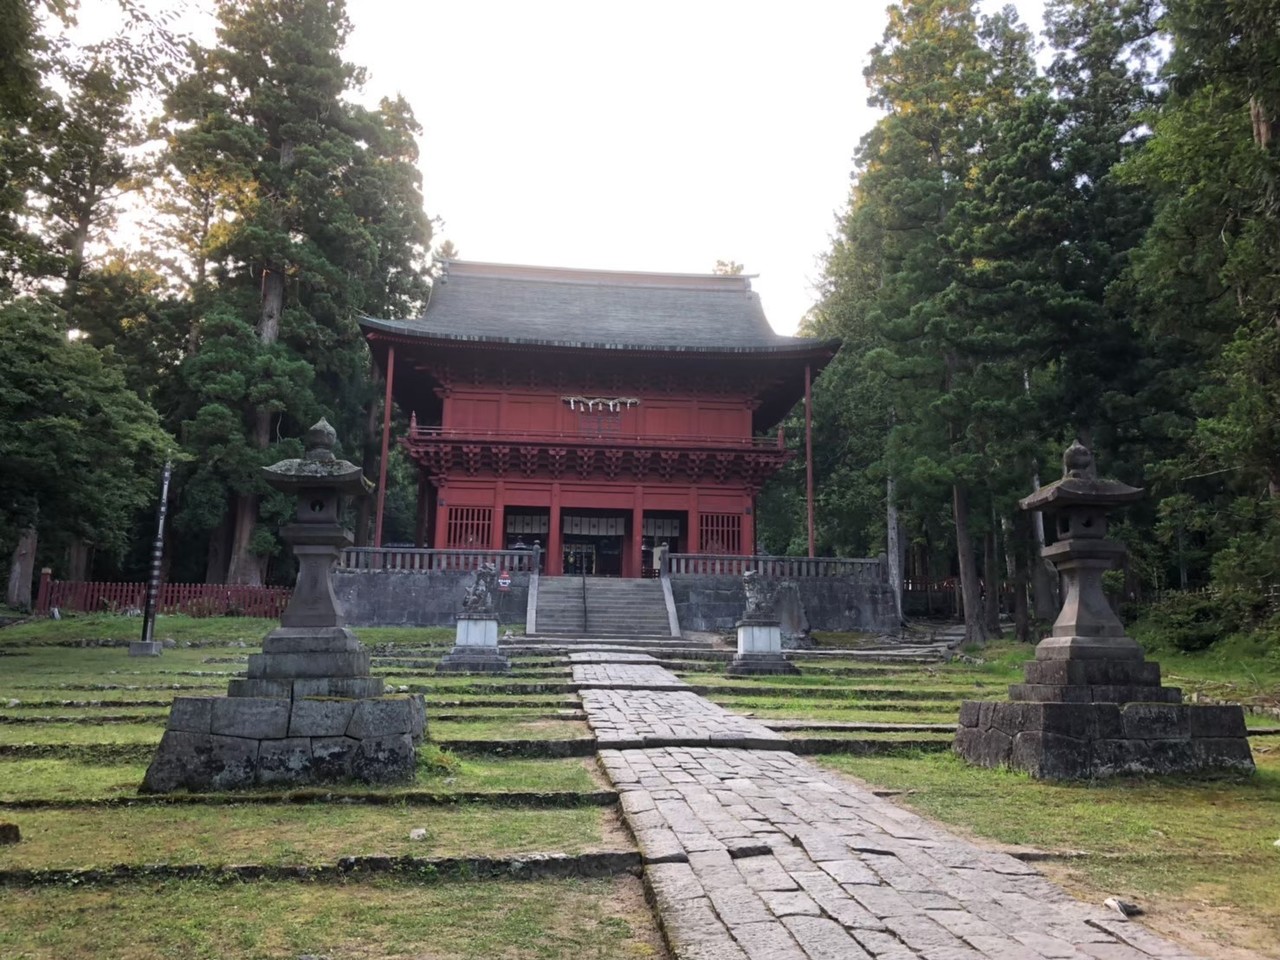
(386, 444)
(695, 524)
(808, 449)
(554, 564)
(636, 553)
(748, 545)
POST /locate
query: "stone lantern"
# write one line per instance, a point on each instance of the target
(1092, 705)
(307, 711)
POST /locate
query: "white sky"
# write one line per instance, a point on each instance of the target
(657, 136)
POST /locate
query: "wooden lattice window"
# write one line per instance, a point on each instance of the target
(470, 527)
(720, 533)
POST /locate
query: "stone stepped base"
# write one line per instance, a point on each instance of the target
(231, 743)
(1070, 741)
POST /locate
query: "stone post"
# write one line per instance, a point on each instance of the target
(759, 632)
(475, 647)
(1092, 705)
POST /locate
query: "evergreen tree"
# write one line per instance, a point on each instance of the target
(80, 449)
(299, 209)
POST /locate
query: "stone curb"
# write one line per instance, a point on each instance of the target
(874, 695)
(531, 749)
(157, 718)
(810, 746)
(102, 753)
(549, 800)
(534, 866)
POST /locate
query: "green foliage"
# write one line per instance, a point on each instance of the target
(80, 450)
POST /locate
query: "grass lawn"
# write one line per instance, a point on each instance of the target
(787, 708)
(313, 833)
(58, 779)
(543, 920)
(514, 729)
(1185, 850)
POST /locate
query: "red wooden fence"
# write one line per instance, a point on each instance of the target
(193, 599)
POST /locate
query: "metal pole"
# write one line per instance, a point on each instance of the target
(386, 443)
(808, 449)
(157, 555)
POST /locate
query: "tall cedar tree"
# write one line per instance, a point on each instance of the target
(1209, 270)
(943, 81)
(300, 209)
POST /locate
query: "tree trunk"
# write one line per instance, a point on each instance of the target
(975, 630)
(217, 556)
(22, 570)
(368, 462)
(991, 578)
(893, 545)
(246, 567)
(1020, 549)
(78, 555)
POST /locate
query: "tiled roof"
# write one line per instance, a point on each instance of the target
(504, 303)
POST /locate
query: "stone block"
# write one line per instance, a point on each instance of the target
(1051, 756)
(311, 640)
(418, 717)
(1216, 721)
(183, 760)
(232, 762)
(351, 688)
(331, 757)
(474, 659)
(191, 714)
(1155, 721)
(477, 632)
(759, 637)
(760, 664)
(1223, 754)
(284, 761)
(970, 711)
(145, 648)
(275, 689)
(1115, 693)
(296, 665)
(374, 719)
(256, 718)
(320, 718)
(389, 759)
(1092, 672)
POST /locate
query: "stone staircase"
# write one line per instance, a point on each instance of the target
(623, 609)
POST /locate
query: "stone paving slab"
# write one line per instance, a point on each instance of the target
(626, 676)
(612, 657)
(760, 855)
(631, 718)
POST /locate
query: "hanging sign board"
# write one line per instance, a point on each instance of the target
(504, 580)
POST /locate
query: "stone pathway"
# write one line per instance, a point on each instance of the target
(756, 854)
(625, 676)
(630, 719)
(611, 657)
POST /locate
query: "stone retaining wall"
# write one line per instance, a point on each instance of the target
(397, 598)
(715, 603)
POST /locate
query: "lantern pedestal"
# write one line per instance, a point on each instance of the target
(475, 647)
(1092, 705)
(759, 650)
(308, 710)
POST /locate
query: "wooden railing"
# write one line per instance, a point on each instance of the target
(528, 437)
(780, 568)
(192, 599)
(432, 561)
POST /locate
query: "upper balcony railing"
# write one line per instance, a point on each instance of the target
(569, 438)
